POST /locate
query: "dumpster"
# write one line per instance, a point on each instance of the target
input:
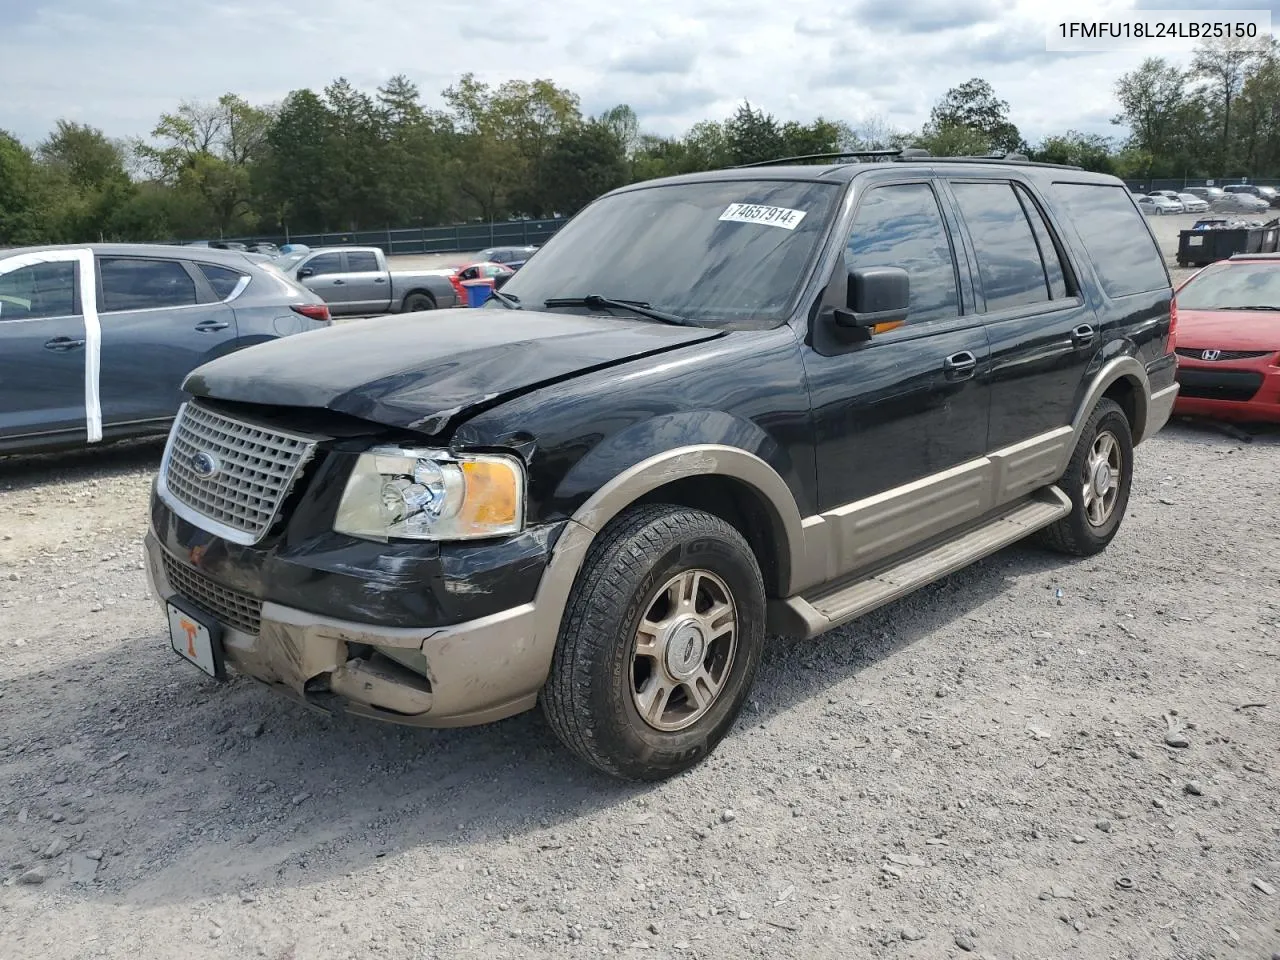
(1198, 248)
(478, 291)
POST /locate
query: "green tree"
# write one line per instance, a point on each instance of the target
(584, 162)
(805, 139)
(973, 106)
(22, 216)
(752, 136)
(207, 148)
(622, 122)
(1164, 118)
(1258, 115)
(295, 172)
(1224, 65)
(504, 135)
(1089, 151)
(954, 140)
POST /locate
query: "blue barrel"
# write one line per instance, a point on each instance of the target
(478, 291)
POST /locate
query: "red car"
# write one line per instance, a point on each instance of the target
(497, 272)
(1228, 340)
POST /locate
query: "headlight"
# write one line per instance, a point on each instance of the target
(432, 495)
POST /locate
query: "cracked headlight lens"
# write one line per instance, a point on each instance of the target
(395, 492)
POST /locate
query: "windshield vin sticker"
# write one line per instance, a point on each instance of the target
(769, 216)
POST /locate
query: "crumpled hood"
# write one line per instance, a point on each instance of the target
(420, 371)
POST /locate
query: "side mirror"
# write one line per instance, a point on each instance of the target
(304, 272)
(877, 295)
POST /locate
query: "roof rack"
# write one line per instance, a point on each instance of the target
(1019, 158)
(908, 154)
(820, 156)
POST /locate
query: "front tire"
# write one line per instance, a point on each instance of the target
(660, 642)
(1097, 482)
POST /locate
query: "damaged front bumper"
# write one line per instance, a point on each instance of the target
(468, 673)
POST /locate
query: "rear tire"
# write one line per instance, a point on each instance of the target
(660, 642)
(418, 302)
(1097, 481)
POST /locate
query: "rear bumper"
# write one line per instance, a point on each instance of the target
(467, 673)
(1159, 410)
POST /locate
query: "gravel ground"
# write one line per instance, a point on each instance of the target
(1032, 758)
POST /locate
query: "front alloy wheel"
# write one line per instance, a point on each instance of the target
(659, 643)
(684, 650)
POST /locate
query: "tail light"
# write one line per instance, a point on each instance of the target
(1173, 319)
(316, 311)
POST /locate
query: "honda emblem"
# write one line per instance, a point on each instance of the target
(1211, 355)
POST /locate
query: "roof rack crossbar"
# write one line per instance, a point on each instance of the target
(819, 156)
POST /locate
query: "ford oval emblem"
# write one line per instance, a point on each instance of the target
(205, 465)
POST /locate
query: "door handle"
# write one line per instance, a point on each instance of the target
(63, 344)
(960, 366)
(1082, 334)
(338, 283)
(209, 326)
(379, 279)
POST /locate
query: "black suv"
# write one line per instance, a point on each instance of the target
(713, 408)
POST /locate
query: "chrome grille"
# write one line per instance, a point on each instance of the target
(1194, 354)
(229, 607)
(255, 467)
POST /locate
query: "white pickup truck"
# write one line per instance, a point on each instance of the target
(357, 281)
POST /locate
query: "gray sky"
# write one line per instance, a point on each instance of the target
(118, 64)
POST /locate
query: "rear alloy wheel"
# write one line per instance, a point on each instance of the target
(659, 644)
(417, 302)
(1097, 483)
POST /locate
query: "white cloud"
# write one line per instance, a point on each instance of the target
(118, 64)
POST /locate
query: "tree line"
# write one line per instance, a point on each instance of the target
(343, 159)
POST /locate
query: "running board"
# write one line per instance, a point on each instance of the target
(814, 613)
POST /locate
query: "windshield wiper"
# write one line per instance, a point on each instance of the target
(1256, 307)
(594, 301)
(508, 300)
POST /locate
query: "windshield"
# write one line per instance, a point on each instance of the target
(721, 253)
(1233, 287)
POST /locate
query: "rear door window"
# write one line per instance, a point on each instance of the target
(1009, 263)
(37, 291)
(362, 262)
(136, 284)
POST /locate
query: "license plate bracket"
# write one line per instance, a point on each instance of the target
(197, 639)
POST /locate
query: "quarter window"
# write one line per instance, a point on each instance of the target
(134, 284)
(38, 290)
(224, 280)
(902, 226)
(1118, 242)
